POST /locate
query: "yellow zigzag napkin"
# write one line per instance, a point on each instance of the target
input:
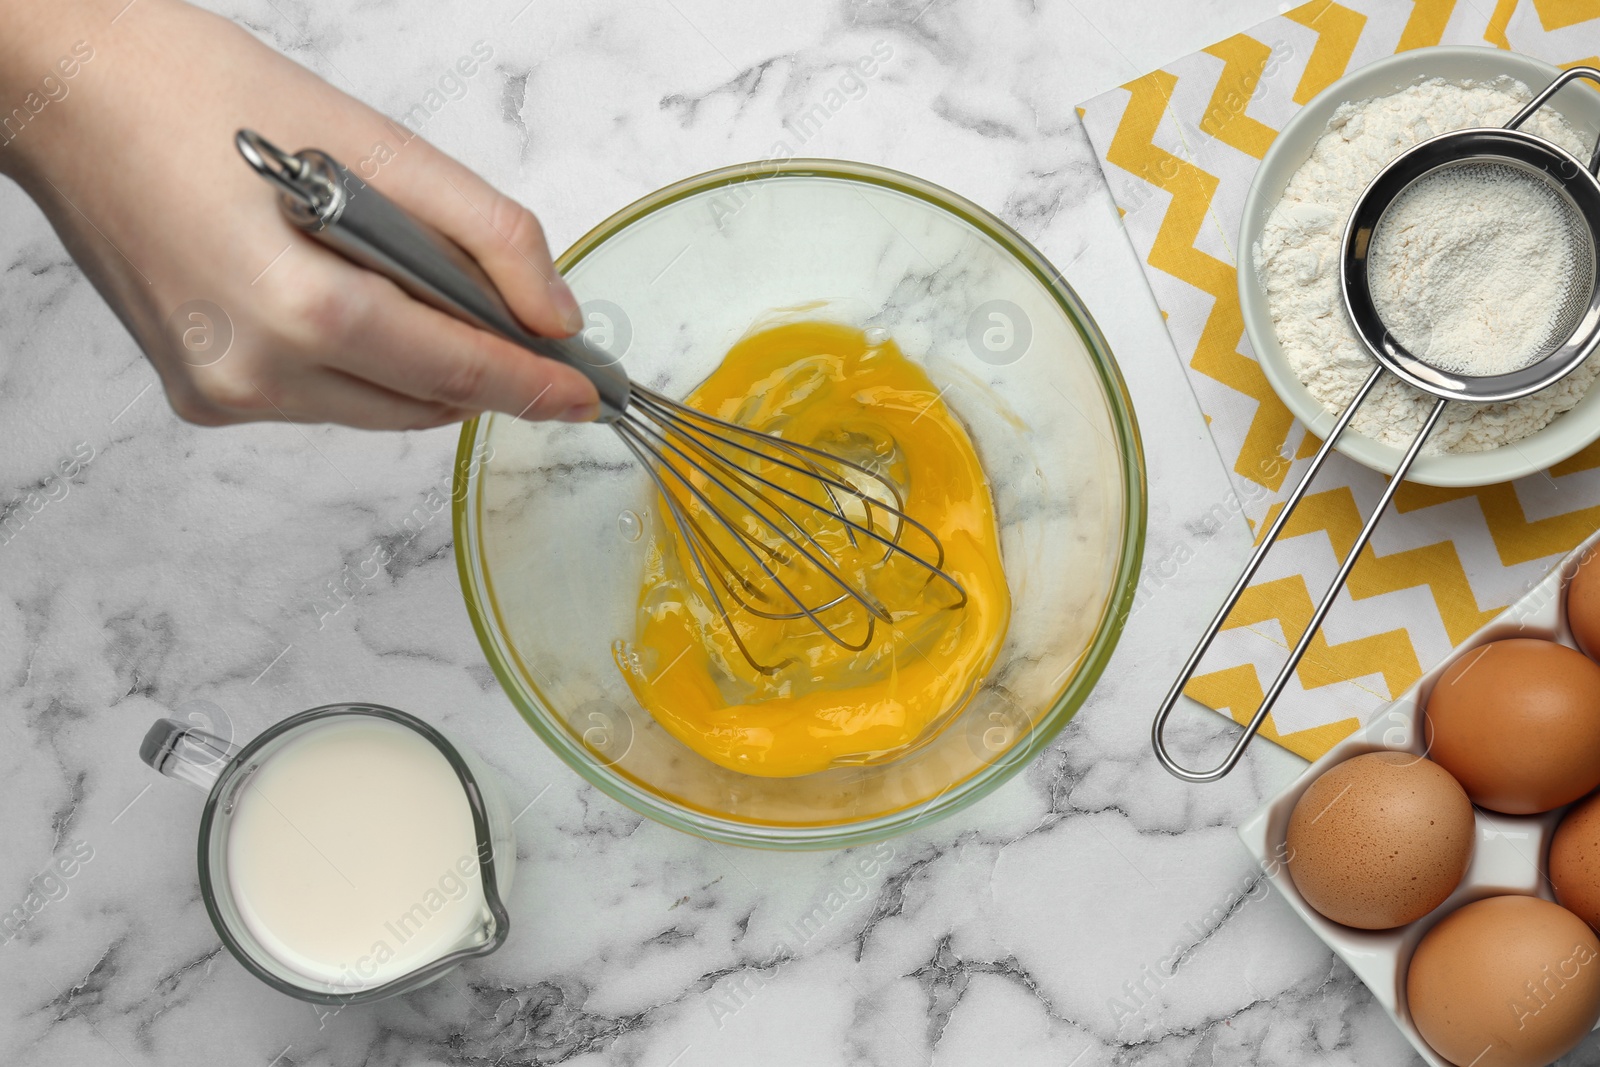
(1179, 148)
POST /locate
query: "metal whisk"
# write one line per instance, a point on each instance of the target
(757, 513)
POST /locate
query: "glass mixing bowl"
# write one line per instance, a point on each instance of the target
(552, 520)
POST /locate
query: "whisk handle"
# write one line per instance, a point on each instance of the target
(1317, 615)
(324, 199)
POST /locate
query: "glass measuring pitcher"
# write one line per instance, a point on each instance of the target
(348, 853)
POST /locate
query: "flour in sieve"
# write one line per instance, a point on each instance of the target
(1297, 260)
(1471, 267)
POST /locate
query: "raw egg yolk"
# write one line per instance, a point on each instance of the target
(798, 702)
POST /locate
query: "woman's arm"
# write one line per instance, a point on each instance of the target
(119, 121)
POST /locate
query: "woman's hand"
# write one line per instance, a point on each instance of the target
(132, 159)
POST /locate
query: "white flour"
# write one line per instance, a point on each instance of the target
(1470, 268)
(1297, 259)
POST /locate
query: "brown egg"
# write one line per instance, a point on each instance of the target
(1575, 861)
(1380, 839)
(1518, 723)
(1583, 603)
(1507, 981)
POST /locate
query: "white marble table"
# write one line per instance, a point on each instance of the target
(182, 564)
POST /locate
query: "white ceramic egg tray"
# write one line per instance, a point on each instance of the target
(1509, 853)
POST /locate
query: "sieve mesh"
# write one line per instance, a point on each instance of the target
(1571, 259)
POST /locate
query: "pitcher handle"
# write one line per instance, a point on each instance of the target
(186, 753)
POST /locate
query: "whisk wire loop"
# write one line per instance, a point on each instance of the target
(702, 463)
(696, 540)
(692, 424)
(692, 543)
(752, 545)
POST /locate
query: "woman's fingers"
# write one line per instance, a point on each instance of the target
(422, 353)
(409, 348)
(320, 395)
(502, 235)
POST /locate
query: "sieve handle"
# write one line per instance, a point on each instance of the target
(1250, 568)
(1550, 90)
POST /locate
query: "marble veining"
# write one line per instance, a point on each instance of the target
(1094, 911)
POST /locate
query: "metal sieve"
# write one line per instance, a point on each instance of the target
(1575, 332)
(1571, 257)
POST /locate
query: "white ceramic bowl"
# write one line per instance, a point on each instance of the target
(1580, 106)
(1508, 855)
